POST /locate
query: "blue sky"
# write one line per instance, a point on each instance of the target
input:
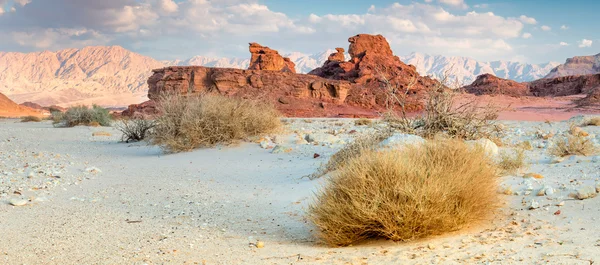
(526, 30)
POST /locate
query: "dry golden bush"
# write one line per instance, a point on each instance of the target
(525, 145)
(82, 115)
(595, 121)
(511, 161)
(572, 145)
(31, 119)
(415, 192)
(363, 122)
(352, 150)
(187, 123)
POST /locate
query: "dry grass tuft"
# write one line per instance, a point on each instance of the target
(363, 122)
(419, 191)
(572, 145)
(31, 119)
(511, 162)
(525, 145)
(352, 150)
(595, 121)
(188, 123)
(135, 129)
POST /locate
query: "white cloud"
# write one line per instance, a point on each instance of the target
(585, 43)
(526, 35)
(22, 2)
(1, 10)
(481, 6)
(545, 28)
(168, 6)
(528, 20)
(564, 27)
(455, 3)
(562, 43)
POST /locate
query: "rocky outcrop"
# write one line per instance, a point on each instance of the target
(488, 84)
(264, 58)
(337, 56)
(592, 99)
(578, 65)
(374, 65)
(564, 86)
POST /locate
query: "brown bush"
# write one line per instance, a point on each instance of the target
(187, 123)
(572, 145)
(363, 122)
(511, 162)
(135, 129)
(406, 194)
(31, 119)
(352, 150)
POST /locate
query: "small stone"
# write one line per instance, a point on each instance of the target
(17, 202)
(533, 175)
(281, 149)
(315, 155)
(549, 191)
(260, 244)
(101, 134)
(562, 203)
(556, 160)
(586, 192)
(597, 187)
(93, 170)
(541, 192)
(431, 246)
(534, 205)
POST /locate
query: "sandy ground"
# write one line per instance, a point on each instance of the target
(93, 200)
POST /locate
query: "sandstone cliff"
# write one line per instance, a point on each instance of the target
(488, 84)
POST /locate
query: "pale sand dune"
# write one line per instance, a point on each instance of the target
(207, 206)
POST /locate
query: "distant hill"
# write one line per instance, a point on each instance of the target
(578, 65)
(8, 108)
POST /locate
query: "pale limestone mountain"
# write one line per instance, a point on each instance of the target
(578, 65)
(464, 70)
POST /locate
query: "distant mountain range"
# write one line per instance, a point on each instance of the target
(113, 76)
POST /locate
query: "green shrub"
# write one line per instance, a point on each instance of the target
(31, 119)
(82, 115)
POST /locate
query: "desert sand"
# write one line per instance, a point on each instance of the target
(94, 200)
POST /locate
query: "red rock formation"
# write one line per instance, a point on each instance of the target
(337, 56)
(488, 84)
(147, 108)
(264, 58)
(360, 87)
(9, 108)
(373, 64)
(592, 99)
(564, 86)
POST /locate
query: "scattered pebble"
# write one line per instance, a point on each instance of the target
(17, 202)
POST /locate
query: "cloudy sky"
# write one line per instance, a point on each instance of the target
(532, 31)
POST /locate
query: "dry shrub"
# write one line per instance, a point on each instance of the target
(406, 194)
(525, 145)
(135, 129)
(363, 122)
(31, 119)
(443, 114)
(595, 121)
(511, 162)
(572, 145)
(361, 144)
(188, 123)
(82, 115)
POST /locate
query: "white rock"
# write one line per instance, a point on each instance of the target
(322, 138)
(534, 204)
(596, 159)
(549, 191)
(488, 146)
(401, 139)
(281, 149)
(17, 202)
(586, 192)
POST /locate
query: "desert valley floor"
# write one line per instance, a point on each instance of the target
(94, 200)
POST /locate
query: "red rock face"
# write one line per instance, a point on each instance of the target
(592, 99)
(358, 88)
(488, 84)
(264, 58)
(564, 86)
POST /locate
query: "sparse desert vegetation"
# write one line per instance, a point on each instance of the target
(595, 121)
(187, 123)
(512, 160)
(82, 115)
(406, 194)
(135, 129)
(363, 122)
(572, 145)
(31, 119)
